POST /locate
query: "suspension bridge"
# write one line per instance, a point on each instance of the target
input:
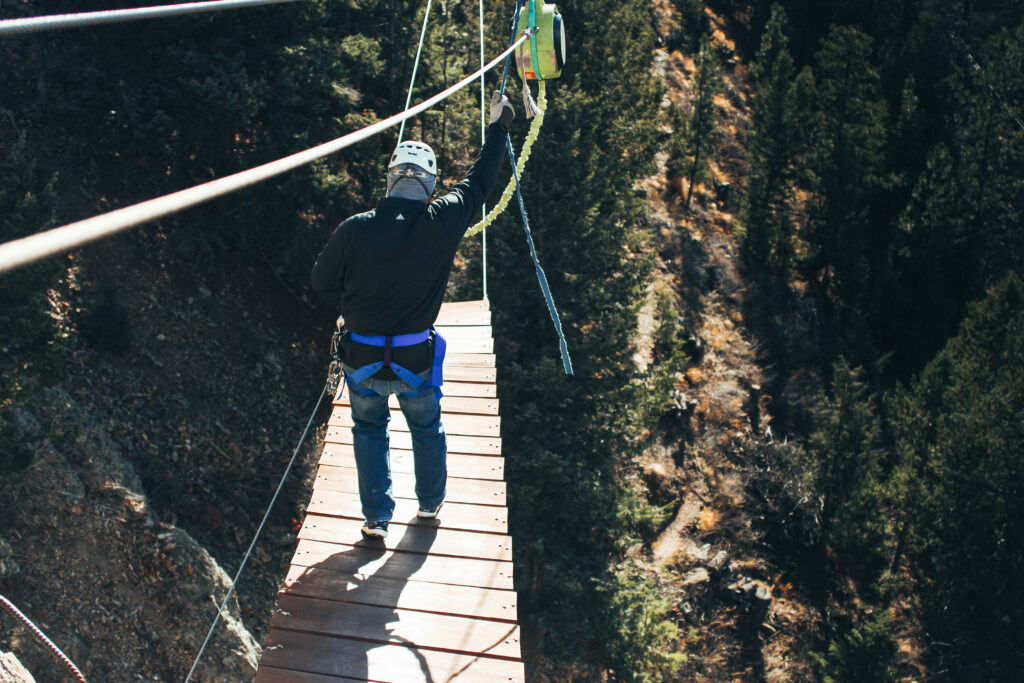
(437, 602)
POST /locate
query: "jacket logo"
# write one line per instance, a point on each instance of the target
(399, 217)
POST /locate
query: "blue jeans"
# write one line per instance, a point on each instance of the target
(370, 416)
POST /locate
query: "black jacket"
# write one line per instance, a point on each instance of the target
(392, 263)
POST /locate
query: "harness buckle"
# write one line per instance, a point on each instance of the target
(334, 377)
(335, 370)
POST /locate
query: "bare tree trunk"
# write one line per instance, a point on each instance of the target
(693, 178)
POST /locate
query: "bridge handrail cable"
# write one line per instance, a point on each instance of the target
(22, 25)
(26, 250)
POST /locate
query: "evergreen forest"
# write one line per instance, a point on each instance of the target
(875, 189)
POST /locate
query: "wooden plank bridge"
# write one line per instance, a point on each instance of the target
(437, 602)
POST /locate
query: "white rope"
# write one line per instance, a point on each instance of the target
(26, 250)
(483, 138)
(415, 66)
(56, 21)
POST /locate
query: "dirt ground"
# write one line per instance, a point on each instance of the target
(155, 459)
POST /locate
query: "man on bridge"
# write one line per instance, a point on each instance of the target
(391, 265)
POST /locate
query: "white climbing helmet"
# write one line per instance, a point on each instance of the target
(418, 153)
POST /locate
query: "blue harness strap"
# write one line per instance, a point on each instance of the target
(408, 376)
(396, 340)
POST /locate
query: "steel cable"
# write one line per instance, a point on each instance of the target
(23, 25)
(21, 252)
(542, 279)
(483, 138)
(252, 546)
(984, 76)
(563, 347)
(41, 637)
(415, 67)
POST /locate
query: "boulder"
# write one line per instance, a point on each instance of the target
(12, 670)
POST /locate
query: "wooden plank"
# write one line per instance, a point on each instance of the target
(474, 445)
(478, 360)
(474, 389)
(466, 332)
(372, 559)
(466, 318)
(464, 313)
(459, 465)
(466, 374)
(270, 674)
(423, 630)
(403, 486)
(430, 603)
(426, 539)
(467, 517)
(454, 423)
(471, 346)
(449, 404)
(387, 663)
(467, 601)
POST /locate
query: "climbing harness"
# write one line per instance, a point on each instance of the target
(389, 342)
(337, 371)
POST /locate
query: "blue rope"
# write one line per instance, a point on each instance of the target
(541, 278)
(515, 28)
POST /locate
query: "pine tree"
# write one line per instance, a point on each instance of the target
(960, 229)
(958, 487)
(567, 436)
(773, 144)
(844, 159)
(701, 124)
(845, 454)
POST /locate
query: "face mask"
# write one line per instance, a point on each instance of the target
(409, 181)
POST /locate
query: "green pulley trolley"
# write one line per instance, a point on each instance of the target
(543, 56)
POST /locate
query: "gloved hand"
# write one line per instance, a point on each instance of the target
(501, 110)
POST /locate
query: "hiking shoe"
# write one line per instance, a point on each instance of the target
(429, 513)
(375, 530)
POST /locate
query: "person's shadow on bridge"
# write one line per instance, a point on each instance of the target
(364, 583)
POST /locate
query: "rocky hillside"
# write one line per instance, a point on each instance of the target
(153, 463)
(727, 476)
